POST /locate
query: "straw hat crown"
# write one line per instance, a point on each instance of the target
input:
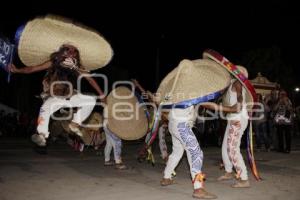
(193, 79)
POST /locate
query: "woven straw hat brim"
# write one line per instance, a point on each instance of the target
(243, 70)
(43, 36)
(94, 121)
(135, 125)
(197, 78)
(90, 139)
(249, 97)
(250, 94)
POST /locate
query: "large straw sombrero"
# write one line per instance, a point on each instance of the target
(125, 116)
(193, 82)
(239, 72)
(44, 35)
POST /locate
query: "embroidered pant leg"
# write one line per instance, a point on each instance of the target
(235, 133)
(183, 134)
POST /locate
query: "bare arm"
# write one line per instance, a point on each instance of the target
(221, 108)
(150, 95)
(138, 85)
(30, 69)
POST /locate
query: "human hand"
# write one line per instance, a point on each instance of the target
(12, 68)
(103, 99)
(236, 107)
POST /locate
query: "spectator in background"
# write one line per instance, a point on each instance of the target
(283, 120)
(260, 125)
(271, 101)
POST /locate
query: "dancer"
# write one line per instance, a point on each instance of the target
(239, 95)
(64, 55)
(191, 83)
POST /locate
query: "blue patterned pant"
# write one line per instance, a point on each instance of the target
(183, 139)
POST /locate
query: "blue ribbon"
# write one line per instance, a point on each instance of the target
(18, 34)
(188, 103)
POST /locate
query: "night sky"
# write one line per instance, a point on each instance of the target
(150, 38)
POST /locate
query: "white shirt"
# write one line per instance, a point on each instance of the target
(183, 115)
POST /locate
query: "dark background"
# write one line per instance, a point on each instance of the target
(150, 38)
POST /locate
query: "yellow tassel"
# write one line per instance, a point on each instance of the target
(150, 156)
(199, 177)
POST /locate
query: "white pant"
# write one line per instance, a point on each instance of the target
(231, 153)
(112, 142)
(162, 141)
(84, 103)
(183, 139)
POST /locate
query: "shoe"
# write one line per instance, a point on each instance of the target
(75, 128)
(201, 193)
(241, 184)
(121, 166)
(166, 182)
(109, 163)
(226, 176)
(39, 139)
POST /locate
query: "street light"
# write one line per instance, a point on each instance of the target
(296, 95)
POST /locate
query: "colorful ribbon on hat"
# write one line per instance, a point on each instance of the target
(18, 34)
(250, 153)
(188, 103)
(234, 69)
